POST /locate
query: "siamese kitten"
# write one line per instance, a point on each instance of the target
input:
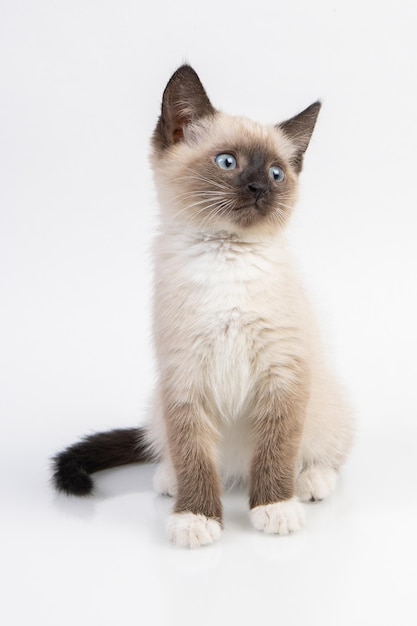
(244, 391)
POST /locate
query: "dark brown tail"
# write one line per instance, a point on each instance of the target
(73, 466)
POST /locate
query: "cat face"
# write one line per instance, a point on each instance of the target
(219, 172)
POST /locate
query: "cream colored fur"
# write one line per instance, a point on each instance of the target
(228, 305)
(279, 518)
(188, 530)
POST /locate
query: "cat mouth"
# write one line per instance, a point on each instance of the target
(249, 214)
(250, 207)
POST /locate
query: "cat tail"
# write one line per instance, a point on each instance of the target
(72, 467)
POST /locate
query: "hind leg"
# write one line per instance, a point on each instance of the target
(326, 442)
(164, 481)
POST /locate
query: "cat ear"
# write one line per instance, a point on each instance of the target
(184, 101)
(299, 130)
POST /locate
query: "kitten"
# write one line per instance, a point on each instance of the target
(244, 392)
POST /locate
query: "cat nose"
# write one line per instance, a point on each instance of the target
(258, 189)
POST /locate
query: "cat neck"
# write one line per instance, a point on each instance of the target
(215, 253)
(195, 236)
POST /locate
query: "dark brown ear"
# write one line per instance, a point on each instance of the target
(299, 129)
(184, 101)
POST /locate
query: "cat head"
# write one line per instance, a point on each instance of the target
(217, 172)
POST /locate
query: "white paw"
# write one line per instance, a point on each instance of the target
(188, 530)
(280, 518)
(164, 481)
(316, 483)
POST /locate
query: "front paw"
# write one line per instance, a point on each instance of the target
(280, 518)
(188, 530)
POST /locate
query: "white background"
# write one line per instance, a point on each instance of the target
(80, 89)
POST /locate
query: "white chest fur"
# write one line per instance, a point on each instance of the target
(223, 310)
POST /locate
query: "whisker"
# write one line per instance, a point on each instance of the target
(203, 194)
(205, 179)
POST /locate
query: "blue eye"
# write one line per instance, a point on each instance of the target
(276, 173)
(226, 161)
